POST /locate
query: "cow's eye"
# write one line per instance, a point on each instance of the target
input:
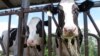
(75, 11)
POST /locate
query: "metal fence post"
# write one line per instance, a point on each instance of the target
(9, 25)
(86, 34)
(49, 37)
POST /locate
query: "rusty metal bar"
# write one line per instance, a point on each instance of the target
(36, 9)
(19, 40)
(49, 37)
(26, 10)
(86, 34)
(9, 25)
(43, 37)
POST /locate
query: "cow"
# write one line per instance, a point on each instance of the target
(70, 33)
(34, 37)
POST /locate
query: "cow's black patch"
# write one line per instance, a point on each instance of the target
(26, 31)
(56, 43)
(73, 41)
(66, 40)
(13, 33)
(38, 48)
(85, 6)
(12, 36)
(39, 30)
(25, 45)
(80, 37)
(51, 8)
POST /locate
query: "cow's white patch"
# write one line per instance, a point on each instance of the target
(67, 8)
(49, 13)
(33, 36)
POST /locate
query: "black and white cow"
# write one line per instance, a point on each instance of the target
(34, 39)
(71, 34)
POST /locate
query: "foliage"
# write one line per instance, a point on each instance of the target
(92, 47)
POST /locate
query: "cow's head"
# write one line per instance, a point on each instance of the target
(69, 10)
(35, 36)
(70, 13)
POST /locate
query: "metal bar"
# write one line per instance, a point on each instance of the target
(60, 22)
(9, 25)
(98, 41)
(49, 37)
(94, 24)
(96, 4)
(25, 4)
(98, 46)
(86, 34)
(38, 9)
(90, 34)
(22, 23)
(43, 37)
(19, 40)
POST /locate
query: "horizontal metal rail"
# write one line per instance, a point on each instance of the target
(35, 9)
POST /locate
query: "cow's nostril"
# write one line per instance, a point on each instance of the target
(29, 42)
(69, 30)
(65, 30)
(32, 41)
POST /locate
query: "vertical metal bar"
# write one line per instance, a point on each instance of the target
(19, 38)
(43, 38)
(86, 34)
(90, 17)
(9, 25)
(22, 23)
(61, 21)
(98, 46)
(49, 37)
(25, 4)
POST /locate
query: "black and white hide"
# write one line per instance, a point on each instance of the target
(34, 38)
(70, 33)
(12, 40)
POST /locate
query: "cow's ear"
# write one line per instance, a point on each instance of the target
(52, 9)
(85, 6)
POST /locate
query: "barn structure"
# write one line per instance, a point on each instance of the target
(23, 13)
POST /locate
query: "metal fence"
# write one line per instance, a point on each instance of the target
(20, 12)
